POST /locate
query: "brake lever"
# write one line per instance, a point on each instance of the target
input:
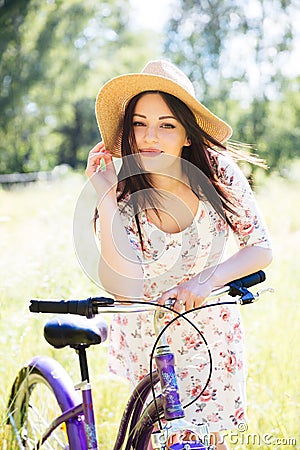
(263, 291)
(248, 297)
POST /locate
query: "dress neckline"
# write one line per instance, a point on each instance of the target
(177, 233)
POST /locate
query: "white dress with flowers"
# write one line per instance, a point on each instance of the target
(169, 259)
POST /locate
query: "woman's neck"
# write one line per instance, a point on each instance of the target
(173, 184)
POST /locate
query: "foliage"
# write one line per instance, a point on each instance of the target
(283, 132)
(54, 57)
(237, 55)
(56, 54)
(274, 124)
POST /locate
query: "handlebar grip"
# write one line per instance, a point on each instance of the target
(237, 286)
(82, 308)
(250, 280)
(87, 308)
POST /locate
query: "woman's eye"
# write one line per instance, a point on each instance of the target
(138, 124)
(168, 125)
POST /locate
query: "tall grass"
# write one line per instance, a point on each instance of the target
(38, 260)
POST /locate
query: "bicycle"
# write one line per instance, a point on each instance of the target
(46, 411)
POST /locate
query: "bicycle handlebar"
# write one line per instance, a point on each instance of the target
(90, 306)
(246, 282)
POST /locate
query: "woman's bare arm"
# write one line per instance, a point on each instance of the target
(194, 292)
(120, 271)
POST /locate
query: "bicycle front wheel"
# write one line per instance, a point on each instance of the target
(34, 407)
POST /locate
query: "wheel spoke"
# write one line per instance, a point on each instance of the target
(35, 408)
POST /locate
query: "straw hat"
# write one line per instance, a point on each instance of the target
(163, 76)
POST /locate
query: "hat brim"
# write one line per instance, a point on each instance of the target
(114, 96)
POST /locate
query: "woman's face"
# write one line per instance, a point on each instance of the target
(159, 136)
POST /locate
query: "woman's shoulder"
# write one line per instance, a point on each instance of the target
(224, 166)
(125, 204)
(129, 220)
(127, 212)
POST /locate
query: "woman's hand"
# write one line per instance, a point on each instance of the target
(189, 294)
(101, 171)
(193, 293)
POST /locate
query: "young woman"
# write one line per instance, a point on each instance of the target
(164, 221)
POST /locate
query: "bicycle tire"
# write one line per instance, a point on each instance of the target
(34, 404)
(141, 434)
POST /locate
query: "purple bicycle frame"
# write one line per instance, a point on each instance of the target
(89, 418)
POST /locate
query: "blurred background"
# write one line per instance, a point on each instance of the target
(243, 57)
(244, 60)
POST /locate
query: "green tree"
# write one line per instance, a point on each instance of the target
(236, 54)
(54, 57)
(281, 138)
(12, 17)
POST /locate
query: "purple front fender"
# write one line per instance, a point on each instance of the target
(67, 397)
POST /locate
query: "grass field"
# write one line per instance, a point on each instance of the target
(38, 260)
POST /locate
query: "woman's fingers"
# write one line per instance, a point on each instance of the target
(95, 158)
(98, 147)
(100, 151)
(184, 300)
(101, 171)
(171, 294)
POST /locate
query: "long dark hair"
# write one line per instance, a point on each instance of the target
(200, 155)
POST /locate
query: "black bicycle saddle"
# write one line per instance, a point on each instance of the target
(74, 331)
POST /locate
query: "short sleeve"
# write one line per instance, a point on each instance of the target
(247, 223)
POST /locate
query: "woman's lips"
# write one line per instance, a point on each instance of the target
(150, 151)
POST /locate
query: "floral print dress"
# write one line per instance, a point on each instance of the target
(169, 259)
